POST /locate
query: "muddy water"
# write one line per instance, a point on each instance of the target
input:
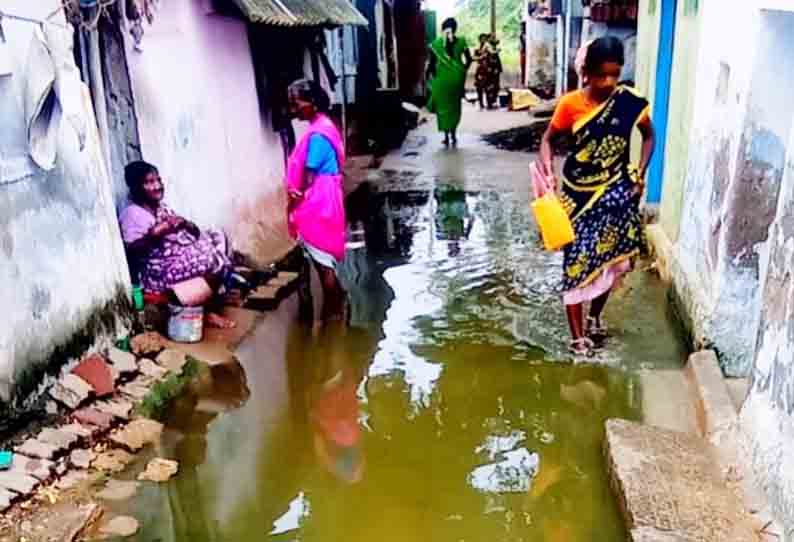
(447, 411)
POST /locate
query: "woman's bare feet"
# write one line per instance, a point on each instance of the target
(217, 321)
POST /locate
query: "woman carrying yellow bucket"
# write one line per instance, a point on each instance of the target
(601, 190)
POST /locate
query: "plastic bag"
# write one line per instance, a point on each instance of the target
(554, 223)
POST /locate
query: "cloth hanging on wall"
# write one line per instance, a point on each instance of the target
(5, 53)
(52, 91)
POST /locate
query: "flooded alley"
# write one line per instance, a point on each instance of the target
(448, 410)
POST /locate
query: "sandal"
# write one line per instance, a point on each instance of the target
(596, 328)
(583, 346)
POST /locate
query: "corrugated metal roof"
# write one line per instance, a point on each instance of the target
(301, 12)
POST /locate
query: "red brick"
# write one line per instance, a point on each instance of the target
(95, 370)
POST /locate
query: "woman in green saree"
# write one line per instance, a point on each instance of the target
(601, 189)
(450, 59)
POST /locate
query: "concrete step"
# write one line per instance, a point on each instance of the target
(670, 486)
(667, 401)
(718, 401)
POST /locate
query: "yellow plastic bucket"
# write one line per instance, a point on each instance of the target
(554, 223)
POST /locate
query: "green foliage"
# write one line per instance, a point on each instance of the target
(474, 18)
(162, 393)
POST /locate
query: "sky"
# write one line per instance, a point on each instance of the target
(444, 8)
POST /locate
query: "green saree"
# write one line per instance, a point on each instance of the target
(449, 83)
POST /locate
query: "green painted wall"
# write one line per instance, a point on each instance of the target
(647, 47)
(682, 99)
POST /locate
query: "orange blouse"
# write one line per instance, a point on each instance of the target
(572, 108)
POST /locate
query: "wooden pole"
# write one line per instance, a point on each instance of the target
(493, 17)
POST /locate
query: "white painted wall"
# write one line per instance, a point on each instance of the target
(733, 274)
(200, 123)
(61, 258)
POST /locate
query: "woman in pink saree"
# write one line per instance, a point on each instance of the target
(314, 186)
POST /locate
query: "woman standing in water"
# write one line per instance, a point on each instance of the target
(601, 190)
(450, 59)
(314, 187)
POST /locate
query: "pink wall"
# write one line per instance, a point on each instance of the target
(200, 123)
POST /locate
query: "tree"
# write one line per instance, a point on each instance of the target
(474, 18)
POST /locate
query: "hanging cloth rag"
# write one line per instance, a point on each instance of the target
(52, 91)
(5, 53)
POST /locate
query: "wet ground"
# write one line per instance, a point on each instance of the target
(447, 411)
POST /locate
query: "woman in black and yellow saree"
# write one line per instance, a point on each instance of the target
(601, 189)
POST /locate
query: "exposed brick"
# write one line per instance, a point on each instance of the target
(96, 372)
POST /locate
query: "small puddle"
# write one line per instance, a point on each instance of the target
(443, 412)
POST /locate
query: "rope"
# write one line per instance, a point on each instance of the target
(40, 22)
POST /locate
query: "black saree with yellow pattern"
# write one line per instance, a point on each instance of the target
(598, 190)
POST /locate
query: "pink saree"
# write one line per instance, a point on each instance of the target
(319, 218)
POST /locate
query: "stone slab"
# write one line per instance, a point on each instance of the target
(97, 373)
(151, 370)
(18, 482)
(34, 448)
(647, 534)
(667, 400)
(172, 360)
(113, 460)
(94, 417)
(670, 482)
(120, 526)
(123, 362)
(716, 410)
(6, 499)
(64, 522)
(61, 440)
(71, 391)
(71, 480)
(149, 343)
(118, 408)
(138, 389)
(118, 490)
(82, 432)
(264, 298)
(41, 469)
(82, 459)
(137, 434)
(159, 470)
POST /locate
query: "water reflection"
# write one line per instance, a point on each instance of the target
(425, 418)
(453, 219)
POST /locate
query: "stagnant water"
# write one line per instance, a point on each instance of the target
(447, 411)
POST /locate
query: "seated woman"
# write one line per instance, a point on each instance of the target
(166, 249)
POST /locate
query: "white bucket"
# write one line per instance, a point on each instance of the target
(186, 324)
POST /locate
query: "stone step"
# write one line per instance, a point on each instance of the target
(667, 401)
(714, 406)
(670, 487)
(718, 401)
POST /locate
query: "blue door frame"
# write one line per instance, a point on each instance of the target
(661, 100)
